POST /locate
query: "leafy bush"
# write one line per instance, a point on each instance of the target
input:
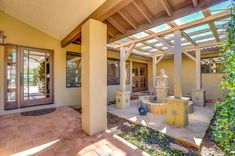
(223, 126)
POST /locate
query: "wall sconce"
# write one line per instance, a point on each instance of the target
(2, 37)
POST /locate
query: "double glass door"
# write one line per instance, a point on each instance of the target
(28, 77)
(139, 77)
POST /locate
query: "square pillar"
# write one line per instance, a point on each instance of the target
(177, 64)
(177, 111)
(198, 94)
(154, 68)
(94, 77)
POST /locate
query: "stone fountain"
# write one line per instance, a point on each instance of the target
(158, 104)
(162, 86)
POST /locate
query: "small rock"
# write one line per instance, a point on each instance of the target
(178, 147)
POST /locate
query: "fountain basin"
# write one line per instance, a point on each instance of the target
(159, 107)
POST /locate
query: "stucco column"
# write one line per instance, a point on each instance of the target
(177, 65)
(94, 77)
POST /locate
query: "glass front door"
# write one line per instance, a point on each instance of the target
(29, 77)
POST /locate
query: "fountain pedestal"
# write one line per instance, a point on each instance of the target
(177, 111)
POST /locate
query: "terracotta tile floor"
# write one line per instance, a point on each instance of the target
(58, 133)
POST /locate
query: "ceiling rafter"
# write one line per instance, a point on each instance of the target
(167, 7)
(107, 9)
(211, 24)
(116, 25)
(143, 10)
(177, 13)
(195, 23)
(128, 19)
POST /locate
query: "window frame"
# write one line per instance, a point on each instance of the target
(77, 54)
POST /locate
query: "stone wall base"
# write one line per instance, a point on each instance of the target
(198, 97)
(123, 99)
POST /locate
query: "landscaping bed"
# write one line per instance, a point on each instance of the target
(147, 139)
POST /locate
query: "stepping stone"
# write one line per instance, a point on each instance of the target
(178, 147)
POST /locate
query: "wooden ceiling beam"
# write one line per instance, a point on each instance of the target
(116, 25)
(195, 3)
(128, 19)
(195, 23)
(211, 24)
(107, 9)
(178, 13)
(143, 10)
(111, 34)
(167, 7)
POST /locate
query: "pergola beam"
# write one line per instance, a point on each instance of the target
(207, 13)
(189, 55)
(107, 9)
(181, 27)
(185, 35)
(167, 7)
(189, 39)
(178, 13)
(165, 43)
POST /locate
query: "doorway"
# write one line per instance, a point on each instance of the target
(28, 77)
(139, 77)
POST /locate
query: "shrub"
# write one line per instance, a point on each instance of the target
(223, 126)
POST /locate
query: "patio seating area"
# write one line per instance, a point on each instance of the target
(192, 134)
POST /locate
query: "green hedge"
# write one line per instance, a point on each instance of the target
(223, 126)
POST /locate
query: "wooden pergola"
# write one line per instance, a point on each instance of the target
(206, 32)
(130, 29)
(128, 17)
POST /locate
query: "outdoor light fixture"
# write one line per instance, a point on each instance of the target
(2, 37)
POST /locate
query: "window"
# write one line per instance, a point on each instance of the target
(113, 72)
(73, 69)
(211, 65)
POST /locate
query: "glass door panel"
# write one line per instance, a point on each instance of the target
(28, 74)
(11, 88)
(36, 77)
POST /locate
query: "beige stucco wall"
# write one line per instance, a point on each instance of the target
(210, 82)
(20, 33)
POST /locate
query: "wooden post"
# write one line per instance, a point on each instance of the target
(122, 70)
(177, 64)
(198, 69)
(154, 68)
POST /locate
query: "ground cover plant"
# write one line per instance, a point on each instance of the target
(223, 124)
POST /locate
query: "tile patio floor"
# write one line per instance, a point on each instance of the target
(58, 133)
(193, 133)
